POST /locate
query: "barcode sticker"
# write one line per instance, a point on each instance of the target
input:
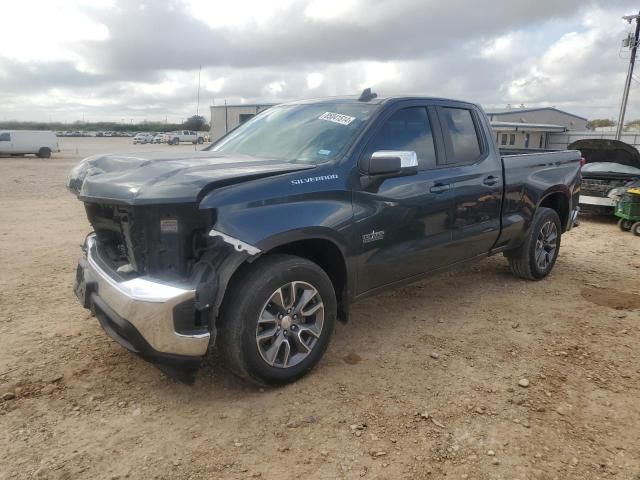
(337, 118)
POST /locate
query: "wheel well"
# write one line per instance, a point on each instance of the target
(558, 202)
(328, 256)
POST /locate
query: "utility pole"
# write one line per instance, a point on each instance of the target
(632, 61)
(198, 103)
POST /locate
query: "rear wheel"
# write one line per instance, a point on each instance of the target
(44, 152)
(625, 225)
(200, 140)
(535, 258)
(635, 229)
(277, 319)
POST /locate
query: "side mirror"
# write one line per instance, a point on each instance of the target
(390, 163)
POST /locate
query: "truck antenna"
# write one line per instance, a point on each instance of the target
(367, 95)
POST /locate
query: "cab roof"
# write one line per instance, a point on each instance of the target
(378, 100)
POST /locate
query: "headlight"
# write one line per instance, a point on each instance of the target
(616, 192)
(78, 174)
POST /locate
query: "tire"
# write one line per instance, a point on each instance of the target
(635, 229)
(176, 141)
(44, 152)
(625, 225)
(200, 140)
(249, 312)
(535, 258)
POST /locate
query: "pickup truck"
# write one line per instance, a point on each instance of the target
(179, 136)
(261, 242)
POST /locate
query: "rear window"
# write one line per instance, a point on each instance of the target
(460, 135)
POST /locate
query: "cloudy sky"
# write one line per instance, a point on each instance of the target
(126, 59)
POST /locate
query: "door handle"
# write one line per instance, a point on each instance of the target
(491, 180)
(440, 187)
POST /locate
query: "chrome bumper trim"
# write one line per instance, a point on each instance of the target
(239, 245)
(573, 218)
(148, 305)
(602, 201)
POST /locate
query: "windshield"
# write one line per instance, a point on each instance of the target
(314, 133)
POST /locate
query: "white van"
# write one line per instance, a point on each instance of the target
(20, 142)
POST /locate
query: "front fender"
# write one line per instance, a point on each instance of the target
(267, 226)
(266, 212)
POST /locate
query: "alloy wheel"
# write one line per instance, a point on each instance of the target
(546, 245)
(290, 324)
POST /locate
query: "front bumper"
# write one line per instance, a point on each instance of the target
(139, 315)
(599, 201)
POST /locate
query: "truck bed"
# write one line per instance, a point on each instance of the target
(526, 177)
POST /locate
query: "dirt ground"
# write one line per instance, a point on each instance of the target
(423, 383)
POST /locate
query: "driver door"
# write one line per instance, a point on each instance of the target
(403, 223)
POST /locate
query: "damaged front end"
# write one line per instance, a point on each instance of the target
(155, 276)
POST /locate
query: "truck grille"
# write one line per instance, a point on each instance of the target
(153, 239)
(599, 187)
(119, 240)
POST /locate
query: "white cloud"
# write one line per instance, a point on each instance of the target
(47, 30)
(117, 59)
(314, 80)
(499, 47)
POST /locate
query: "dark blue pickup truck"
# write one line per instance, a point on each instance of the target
(259, 243)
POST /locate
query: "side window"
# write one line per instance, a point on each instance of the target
(460, 135)
(512, 139)
(5, 137)
(504, 139)
(407, 129)
(541, 140)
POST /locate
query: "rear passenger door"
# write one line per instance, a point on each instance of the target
(475, 174)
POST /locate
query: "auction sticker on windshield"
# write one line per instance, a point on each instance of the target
(337, 118)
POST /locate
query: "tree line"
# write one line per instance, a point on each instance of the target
(195, 122)
(605, 122)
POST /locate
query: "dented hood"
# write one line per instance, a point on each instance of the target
(161, 177)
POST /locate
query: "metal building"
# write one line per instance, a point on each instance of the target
(524, 136)
(225, 118)
(542, 115)
(532, 128)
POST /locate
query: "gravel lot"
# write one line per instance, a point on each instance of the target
(426, 381)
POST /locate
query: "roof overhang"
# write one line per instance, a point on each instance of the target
(526, 127)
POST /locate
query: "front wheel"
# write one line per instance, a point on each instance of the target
(625, 225)
(535, 258)
(277, 319)
(635, 229)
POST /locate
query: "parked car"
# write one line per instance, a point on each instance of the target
(160, 138)
(22, 142)
(142, 138)
(610, 166)
(262, 241)
(179, 136)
